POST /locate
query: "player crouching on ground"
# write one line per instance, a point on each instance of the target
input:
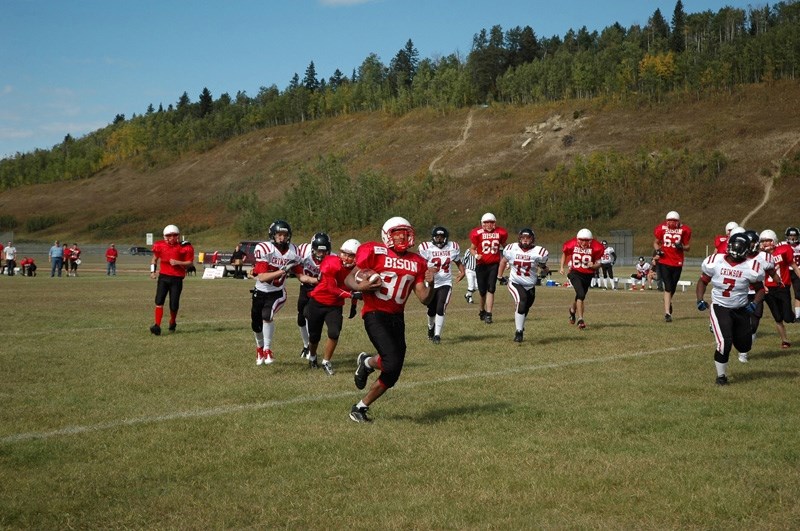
(731, 275)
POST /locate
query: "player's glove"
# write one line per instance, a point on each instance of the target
(659, 253)
(503, 281)
(750, 307)
(702, 305)
(679, 246)
(357, 296)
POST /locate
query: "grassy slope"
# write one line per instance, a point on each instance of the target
(481, 148)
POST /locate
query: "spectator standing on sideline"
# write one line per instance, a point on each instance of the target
(237, 260)
(325, 302)
(672, 240)
(778, 297)
(525, 260)
(174, 257)
(581, 257)
(721, 240)
(399, 272)
(56, 255)
(10, 253)
(730, 275)
(487, 242)
(111, 260)
(274, 259)
(607, 262)
(441, 253)
(311, 256)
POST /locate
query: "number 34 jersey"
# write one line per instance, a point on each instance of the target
(524, 265)
(442, 259)
(399, 274)
(730, 281)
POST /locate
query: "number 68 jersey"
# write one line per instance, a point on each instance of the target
(730, 281)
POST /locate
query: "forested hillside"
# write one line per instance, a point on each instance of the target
(591, 127)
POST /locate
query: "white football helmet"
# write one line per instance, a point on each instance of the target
(171, 229)
(393, 224)
(584, 234)
(768, 235)
(488, 217)
(730, 226)
(349, 248)
(736, 230)
(672, 215)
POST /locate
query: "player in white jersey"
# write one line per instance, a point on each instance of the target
(642, 274)
(793, 241)
(730, 275)
(607, 262)
(311, 256)
(274, 260)
(442, 254)
(525, 261)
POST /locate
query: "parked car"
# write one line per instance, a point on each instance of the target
(140, 250)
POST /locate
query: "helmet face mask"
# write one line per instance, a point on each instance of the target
(280, 232)
(526, 238)
(171, 231)
(320, 246)
(738, 247)
(440, 236)
(753, 241)
(347, 252)
(793, 235)
(584, 237)
(398, 234)
(768, 240)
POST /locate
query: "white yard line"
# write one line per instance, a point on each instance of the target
(271, 404)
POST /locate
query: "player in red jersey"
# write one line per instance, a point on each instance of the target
(672, 239)
(325, 301)
(793, 240)
(487, 243)
(721, 240)
(400, 272)
(779, 297)
(175, 256)
(581, 256)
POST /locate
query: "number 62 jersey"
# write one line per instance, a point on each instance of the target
(730, 281)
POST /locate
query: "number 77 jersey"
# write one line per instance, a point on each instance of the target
(730, 281)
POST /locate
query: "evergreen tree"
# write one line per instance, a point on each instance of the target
(678, 39)
(310, 81)
(206, 102)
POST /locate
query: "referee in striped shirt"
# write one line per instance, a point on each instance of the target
(470, 262)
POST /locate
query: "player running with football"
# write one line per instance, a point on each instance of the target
(386, 273)
(581, 257)
(526, 261)
(174, 257)
(325, 302)
(731, 275)
(486, 243)
(441, 254)
(672, 240)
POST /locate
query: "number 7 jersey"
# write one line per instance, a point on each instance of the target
(730, 281)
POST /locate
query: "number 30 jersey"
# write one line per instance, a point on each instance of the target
(399, 274)
(524, 265)
(730, 281)
(442, 259)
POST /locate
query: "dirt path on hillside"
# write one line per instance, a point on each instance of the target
(768, 182)
(461, 142)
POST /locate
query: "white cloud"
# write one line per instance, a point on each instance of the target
(7, 89)
(14, 134)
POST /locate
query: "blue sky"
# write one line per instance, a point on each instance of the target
(70, 66)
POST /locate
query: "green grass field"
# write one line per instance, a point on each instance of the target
(103, 426)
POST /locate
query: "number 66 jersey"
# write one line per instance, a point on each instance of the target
(399, 274)
(730, 281)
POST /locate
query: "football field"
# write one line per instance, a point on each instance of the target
(104, 426)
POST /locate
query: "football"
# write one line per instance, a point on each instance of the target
(367, 274)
